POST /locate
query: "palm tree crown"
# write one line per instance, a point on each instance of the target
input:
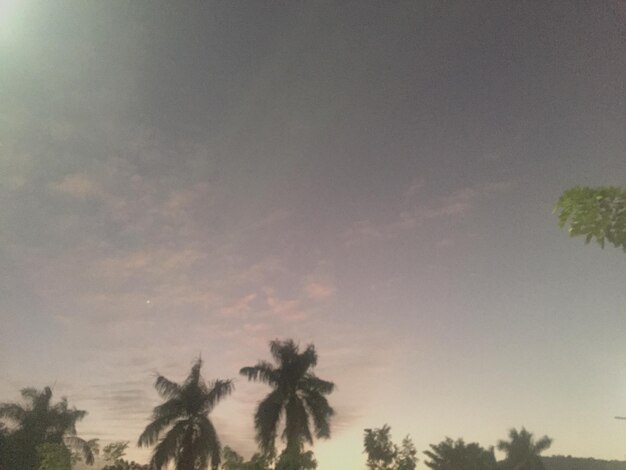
(298, 395)
(191, 440)
(41, 422)
(522, 451)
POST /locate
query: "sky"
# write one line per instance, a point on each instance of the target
(184, 179)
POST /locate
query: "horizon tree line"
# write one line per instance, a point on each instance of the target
(44, 436)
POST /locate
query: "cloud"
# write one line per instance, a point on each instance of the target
(456, 204)
(78, 185)
(240, 307)
(460, 202)
(317, 290)
(285, 309)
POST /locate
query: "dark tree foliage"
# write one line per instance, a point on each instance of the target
(54, 457)
(189, 437)
(41, 422)
(231, 460)
(114, 451)
(297, 395)
(291, 459)
(561, 462)
(595, 213)
(522, 451)
(380, 450)
(122, 464)
(383, 454)
(456, 455)
(406, 458)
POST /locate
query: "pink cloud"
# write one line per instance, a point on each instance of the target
(319, 290)
(239, 307)
(290, 310)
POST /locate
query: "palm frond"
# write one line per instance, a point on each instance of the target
(87, 448)
(172, 408)
(313, 383)
(194, 375)
(320, 411)
(266, 421)
(12, 411)
(543, 444)
(309, 357)
(209, 444)
(167, 448)
(263, 372)
(218, 389)
(150, 435)
(166, 388)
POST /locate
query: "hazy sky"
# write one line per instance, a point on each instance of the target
(185, 178)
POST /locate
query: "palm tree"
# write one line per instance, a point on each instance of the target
(298, 395)
(190, 439)
(522, 452)
(40, 422)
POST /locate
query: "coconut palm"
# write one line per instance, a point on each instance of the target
(522, 451)
(41, 422)
(298, 396)
(190, 439)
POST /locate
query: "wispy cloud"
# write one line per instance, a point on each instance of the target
(285, 309)
(415, 212)
(78, 185)
(241, 306)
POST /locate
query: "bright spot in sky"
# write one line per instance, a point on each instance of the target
(148, 301)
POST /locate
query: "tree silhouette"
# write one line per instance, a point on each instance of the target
(40, 422)
(383, 454)
(231, 460)
(297, 394)
(456, 455)
(190, 439)
(380, 450)
(406, 458)
(291, 459)
(522, 452)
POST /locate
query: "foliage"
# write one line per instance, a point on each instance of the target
(380, 450)
(53, 457)
(122, 464)
(297, 394)
(40, 422)
(114, 451)
(79, 448)
(383, 454)
(561, 462)
(595, 213)
(231, 460)
(294, 459)
(406, 457)
(190, 438)
(522, 451)
(451, 455)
